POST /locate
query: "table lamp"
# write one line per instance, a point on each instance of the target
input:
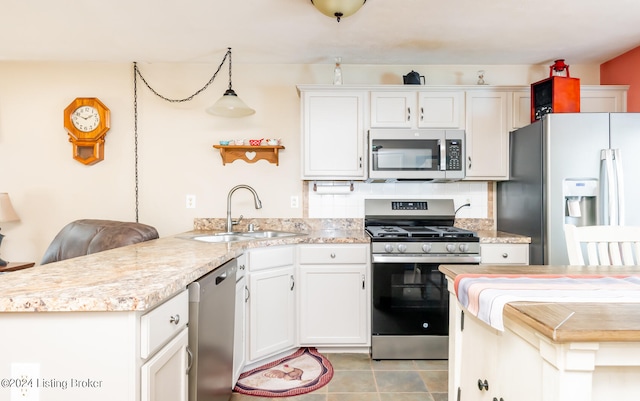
(6, 214)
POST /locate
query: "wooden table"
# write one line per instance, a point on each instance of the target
(13, 266)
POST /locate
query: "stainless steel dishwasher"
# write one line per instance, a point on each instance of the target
(211, 322)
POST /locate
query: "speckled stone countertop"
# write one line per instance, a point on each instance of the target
(135, 277)
(140, 276)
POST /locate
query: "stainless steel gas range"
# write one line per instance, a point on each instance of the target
(410, 306)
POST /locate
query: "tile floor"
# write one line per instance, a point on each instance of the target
(358, 378)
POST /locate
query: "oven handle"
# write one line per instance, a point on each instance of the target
(424, 259)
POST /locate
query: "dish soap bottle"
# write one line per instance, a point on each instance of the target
(337, 72)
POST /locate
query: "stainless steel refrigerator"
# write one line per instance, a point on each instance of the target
(579, 168)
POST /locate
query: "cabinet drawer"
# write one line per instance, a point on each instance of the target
(266, 258)
(163, 323)
(322, 254)
(504, 254)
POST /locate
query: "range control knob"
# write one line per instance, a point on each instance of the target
(402, 248)
(426, 248)
(388, 248)
(451, 248)
(464, 247)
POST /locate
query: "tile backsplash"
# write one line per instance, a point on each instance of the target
(337, 200)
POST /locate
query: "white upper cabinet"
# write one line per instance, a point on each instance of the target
(593, 99)
(417, 109)
(333, 135)
(487, 120)
(603, 99)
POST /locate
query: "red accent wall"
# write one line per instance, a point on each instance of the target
(624, 70)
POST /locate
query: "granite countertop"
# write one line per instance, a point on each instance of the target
(567, 322)
(140, 276)
(135, 277)
(500, 237)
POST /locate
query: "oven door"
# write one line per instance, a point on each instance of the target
(409, 299)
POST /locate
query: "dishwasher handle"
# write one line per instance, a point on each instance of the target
(222, 277)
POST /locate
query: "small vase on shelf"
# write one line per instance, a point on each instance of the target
(337, 72)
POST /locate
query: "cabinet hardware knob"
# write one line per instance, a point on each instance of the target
(293, 282)
(408, 113)
(421, 113)
(333, 255)
(469, 158)
(505, 255)
(483, 385)
(242, 267)
(175, 319)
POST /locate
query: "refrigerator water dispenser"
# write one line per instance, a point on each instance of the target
(580, 198)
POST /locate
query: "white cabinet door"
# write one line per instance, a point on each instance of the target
(164, 377)
(393, 109)
(423, 109)
(271, 311)
(333, 139)
(239, 330)
(478, 371)
(521, 110)
(600, 99)
(441, 109)
(487, 135)
(333, 305)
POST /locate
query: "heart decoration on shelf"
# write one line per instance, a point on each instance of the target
(250, 155)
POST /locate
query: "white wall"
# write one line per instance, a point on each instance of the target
(49, 188)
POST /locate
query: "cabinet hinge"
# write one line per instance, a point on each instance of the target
(461, 320)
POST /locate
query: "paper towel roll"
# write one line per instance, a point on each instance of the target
(333, 189)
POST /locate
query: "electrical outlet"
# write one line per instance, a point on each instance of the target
(294, 202)
(468, 200)
(26, 378)
(191, 201)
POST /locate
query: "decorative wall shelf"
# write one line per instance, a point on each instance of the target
(250, 154)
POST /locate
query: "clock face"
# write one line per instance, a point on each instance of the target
(85, 118)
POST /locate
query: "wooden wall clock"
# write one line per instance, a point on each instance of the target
(87, 121)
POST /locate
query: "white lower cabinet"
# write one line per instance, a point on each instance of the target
(164, 377)
(334, 294)
(240, 321)
(98, 356)
(478, 370)
(271, 309)
(501, 254)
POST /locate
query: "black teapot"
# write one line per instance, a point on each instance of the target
(413, 78)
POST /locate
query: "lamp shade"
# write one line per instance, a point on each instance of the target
(230, 105)
(338, 8)
(6, 209)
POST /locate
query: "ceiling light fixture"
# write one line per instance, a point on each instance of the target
(230, 105)
(338, 8)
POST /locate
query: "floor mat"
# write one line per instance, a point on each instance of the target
(304, 371)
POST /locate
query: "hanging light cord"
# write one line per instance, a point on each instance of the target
(136, 73)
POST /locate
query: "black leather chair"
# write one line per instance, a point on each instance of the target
(84, 237)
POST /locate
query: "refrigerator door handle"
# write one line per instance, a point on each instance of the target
(619, 201)
(611, 212)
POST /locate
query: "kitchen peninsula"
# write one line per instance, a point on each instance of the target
(551, 351)
(99, 321)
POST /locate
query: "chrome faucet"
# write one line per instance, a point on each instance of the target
(230, 222)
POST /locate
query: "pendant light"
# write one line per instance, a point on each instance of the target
(230, 105)
(338, 8)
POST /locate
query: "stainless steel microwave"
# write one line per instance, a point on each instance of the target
(417, 154)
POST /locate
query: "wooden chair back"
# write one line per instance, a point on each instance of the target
(603, 245)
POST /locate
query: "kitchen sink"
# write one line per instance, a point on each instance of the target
(242, 236)
(220, 237)
(269, 234)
